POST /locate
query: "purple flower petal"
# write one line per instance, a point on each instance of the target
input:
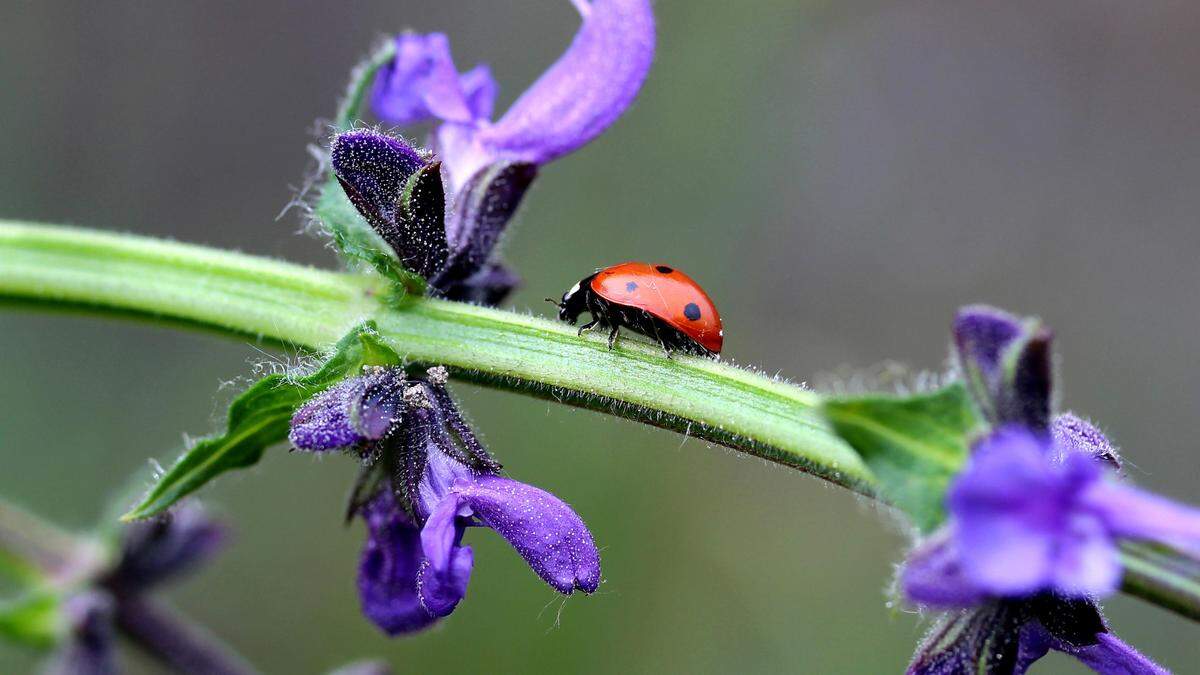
(1136, 514)
(933, 575)
(1111, 656)
(1086, 562)
(389, 567)
(541, 527)
(1072, 434)
(480, 89)
(1007, 509)
(586, 90)
(421, 82)
(447, 568)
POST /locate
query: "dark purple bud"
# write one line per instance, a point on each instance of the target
(373, 169)
(1073, 434)
(547, 533)
(90, 645)
(1006, 362)
(389, 567)
(398, 193)
(481, 211)
(155, 550)
(353, 411)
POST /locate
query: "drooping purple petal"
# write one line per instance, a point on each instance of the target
(1072, 434)
(389, 567)
(1111, 656)
(154, 550)
(586, 90)
(550, 536)
(933, 574)
(1086, 562)
(447, 568)
(420, 83)
(442, 473)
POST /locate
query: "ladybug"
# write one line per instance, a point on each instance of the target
(657, 301)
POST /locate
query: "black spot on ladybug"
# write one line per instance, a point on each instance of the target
(664, 269)
(630, 287)
(692, 312)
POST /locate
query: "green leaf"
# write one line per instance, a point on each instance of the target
(34, 619)
(259, 418)
(912, 445)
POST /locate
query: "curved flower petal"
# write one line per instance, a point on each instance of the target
(1006, 503)
(933, 575)
(447, 567)
(1136, 514)
(550, 536)
(1086, 562)
(389, 567)
(1112, 656)
(420, 82)
(586, 90)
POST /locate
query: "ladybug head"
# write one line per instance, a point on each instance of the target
(573, 303)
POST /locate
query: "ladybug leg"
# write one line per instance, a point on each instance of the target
(587, 326)
(612, 336)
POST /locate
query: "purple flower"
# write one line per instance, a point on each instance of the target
(1035, 518)
(447, 233)
(580, 96)
(1024, 521)
(426, 479)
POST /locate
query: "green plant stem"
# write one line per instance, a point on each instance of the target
(308, 308)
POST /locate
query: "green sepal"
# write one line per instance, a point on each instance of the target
(913, 445)
(358, 241)
(259, 418)
(35, 619)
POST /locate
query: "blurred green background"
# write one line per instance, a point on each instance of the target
(840, 176)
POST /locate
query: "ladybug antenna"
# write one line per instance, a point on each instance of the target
(554, 302)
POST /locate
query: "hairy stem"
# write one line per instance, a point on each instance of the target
(308, 308)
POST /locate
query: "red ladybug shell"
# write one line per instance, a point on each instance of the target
(666, 293)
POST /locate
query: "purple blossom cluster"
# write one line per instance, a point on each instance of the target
(426, 478)
(1035, 520)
